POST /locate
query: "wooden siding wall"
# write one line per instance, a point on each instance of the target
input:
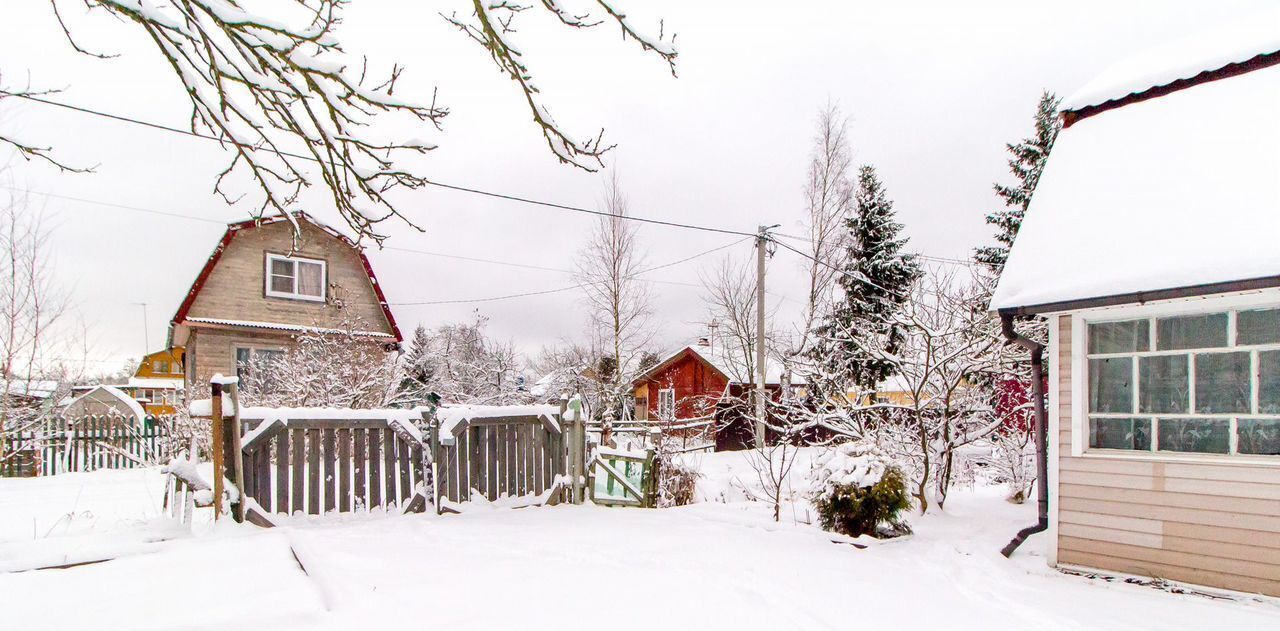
(1212, 524)
(235, 289)
(212, 351)
(697, 388)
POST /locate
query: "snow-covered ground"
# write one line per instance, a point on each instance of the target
(713, 565)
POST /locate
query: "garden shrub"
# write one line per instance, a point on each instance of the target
(858, 491)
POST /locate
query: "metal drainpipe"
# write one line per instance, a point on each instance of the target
(1042, 458)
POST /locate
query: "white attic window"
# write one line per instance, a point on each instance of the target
(295, 278)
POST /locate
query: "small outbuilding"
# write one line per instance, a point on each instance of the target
(1152, 246)
(106, 401)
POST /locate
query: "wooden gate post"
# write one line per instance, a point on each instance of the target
(237, 453)
(433, 447)
(219, 466)
(577, 441)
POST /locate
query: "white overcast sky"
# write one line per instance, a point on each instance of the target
(933, 91)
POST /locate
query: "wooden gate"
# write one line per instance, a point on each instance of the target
(496, 452)
(320, 465)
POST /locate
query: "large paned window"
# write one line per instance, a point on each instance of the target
(1204, 383)
(297, 278)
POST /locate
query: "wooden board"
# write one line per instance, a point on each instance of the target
(329, 472)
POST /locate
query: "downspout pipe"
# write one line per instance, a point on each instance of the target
(1042, 458)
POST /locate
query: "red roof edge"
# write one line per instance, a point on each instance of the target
(1257, 62)
(233, 228)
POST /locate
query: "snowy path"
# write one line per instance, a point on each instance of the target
(708, 566)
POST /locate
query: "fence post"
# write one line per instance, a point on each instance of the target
(577, 446)
(433, 446)
(219, 467)
(237, 453)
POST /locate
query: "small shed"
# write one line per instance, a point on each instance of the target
(106, 401)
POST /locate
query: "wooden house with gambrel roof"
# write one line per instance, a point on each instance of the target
(266, 282)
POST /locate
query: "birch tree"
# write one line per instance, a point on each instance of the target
(828, 194)
(31, 304)
(294, 109)
(618, 302)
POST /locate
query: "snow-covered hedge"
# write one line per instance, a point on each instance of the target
(857, 490)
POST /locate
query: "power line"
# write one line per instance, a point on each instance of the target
(927, 257)
(397, 249)
(444, 185)
(564, 289)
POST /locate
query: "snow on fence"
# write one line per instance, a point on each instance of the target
(316, 461)
(85, 443)
(500, 451)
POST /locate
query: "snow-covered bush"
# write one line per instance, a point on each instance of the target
(677, 483)
(857, 490)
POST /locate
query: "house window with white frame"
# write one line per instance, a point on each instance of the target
(667, 404)
(1206, 383)
(296, 278)
(252, 362)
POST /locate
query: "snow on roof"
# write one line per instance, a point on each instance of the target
(1171, 192)
(36, 388)
(134, 407)
(278, 326)
(155, 382)
(1181, 59)
(732, 368)
(450, 416)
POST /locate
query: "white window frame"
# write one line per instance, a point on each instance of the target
(1264, 299)
(294, 295)
(667, 404)
(253, 350)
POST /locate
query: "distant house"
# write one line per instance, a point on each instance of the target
(261, 288)
(108, 401)
(702, 384)
(158, 382)
(1152, 246)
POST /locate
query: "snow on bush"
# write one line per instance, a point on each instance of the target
(857, 489)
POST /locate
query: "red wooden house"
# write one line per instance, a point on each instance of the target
(700, 391)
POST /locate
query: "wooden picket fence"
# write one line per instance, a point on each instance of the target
(508, 456)
(316, 466)
(83, 444)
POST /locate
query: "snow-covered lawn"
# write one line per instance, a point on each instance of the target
(708, 566)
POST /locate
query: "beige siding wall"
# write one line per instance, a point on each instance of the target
(213, 351)
(236, 288)
(1212, 524)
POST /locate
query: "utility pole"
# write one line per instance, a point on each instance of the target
(762, 240)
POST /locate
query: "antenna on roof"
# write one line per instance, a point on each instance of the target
(146, 343)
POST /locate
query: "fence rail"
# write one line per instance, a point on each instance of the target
(84, 444)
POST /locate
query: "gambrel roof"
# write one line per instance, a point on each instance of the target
(234, 229)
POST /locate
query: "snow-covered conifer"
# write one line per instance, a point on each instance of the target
(1026, 164)
(876, 280)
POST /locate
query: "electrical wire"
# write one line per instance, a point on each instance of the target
(444, 185)
(568, 288)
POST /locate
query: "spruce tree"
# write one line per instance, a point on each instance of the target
(876, 280)
(417, 362)
(1026, 164)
